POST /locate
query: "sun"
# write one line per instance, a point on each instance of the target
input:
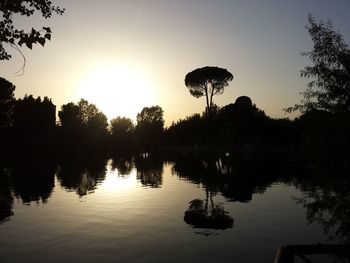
(117, 90)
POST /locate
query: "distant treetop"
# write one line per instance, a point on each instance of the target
(244, 101)
(207, 81)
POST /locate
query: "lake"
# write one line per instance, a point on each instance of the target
(158, 209)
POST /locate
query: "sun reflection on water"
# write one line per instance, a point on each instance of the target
(116, 182)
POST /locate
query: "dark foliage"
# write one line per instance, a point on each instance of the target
(184, 132)
(33, 126)
(6, 102)
(83, 127)
(207, 81)
(122, 132)
(329, 88)
(325, 140)
(240, 125)
(15, 37)
(149, 128)
(69, 115)
(32, 114)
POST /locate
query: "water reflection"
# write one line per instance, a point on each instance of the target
(123, 164)
(30, 180)
(237, 178)
(6, 199)
(149, 170)
(327, 203)
(206, 214)
(82, 176)
(234, 177)
(33, 180)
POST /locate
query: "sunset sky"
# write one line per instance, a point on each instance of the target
(124, 55)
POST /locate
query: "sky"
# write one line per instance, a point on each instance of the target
(125, 55)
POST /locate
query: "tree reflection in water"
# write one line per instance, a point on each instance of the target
(82, 176)
(149, 169)
(201, 214)
(123, 164)
(236, 177)
(30, 180)
(6, 199)
(33, 180)
(329, 206)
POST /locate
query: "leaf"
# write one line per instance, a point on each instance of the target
(29, 45)
(41, 40)
(48, 36)
(21, 42)
(47, 29)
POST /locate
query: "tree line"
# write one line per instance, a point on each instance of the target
(322, 129)
(31, 122)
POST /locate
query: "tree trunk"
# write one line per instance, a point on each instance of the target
(207, 98)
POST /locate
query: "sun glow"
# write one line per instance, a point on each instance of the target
(117, 90)
(114, 182)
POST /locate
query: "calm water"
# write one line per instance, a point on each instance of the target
(126, 211)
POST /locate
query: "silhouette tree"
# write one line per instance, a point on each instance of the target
(98, 123)
(86, 111)
(83, 114)
(207, 81)
(185, 132)
(242, 123)
(83, 127)
(69, 115)
(16, 37)
(6, 102)
(94, 121)
(34, 113)
(34, 123)
(121, 126)
(329, 88)
(122, 132)
(150, 126)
